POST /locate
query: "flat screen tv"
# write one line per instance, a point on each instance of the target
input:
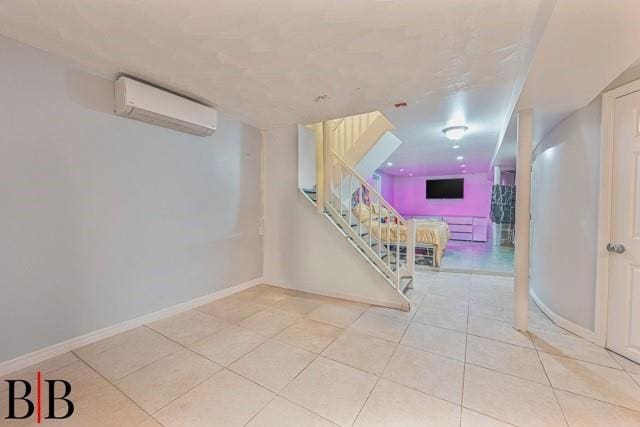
(445, 188)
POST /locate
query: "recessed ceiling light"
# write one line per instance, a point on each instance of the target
(464, 171)
(455, 132)
(401, 170)
(455, 147)
(410, 174)
(463, 166)
(460, 158)
(389, 164)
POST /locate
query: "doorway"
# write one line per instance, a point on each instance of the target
(618, 290)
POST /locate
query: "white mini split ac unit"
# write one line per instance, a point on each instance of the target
(147, 103)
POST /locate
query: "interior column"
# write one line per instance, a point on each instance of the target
(523, 219)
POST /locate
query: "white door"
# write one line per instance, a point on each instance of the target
(623, 326)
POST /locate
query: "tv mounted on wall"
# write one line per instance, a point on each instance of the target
(445, 188)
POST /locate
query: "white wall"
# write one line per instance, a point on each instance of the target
(103, 218)
(306, 158)
(565, 205)
(302, 249)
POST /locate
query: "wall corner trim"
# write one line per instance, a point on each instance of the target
(41, 355)
(561, 321)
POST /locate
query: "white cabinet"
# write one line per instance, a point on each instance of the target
(469, 228)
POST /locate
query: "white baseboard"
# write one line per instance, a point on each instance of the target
(364, 300)
(581, 331)
(38, 356)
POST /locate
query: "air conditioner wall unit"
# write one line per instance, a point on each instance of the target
(140, 101)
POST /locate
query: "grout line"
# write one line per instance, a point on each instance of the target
(464, 366)
(564, 416)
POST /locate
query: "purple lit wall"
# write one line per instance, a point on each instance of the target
(410, 197)
(386, 186)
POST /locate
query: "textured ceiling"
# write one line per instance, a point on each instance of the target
(267, 61)
(585, 46)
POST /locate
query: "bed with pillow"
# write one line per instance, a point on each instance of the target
(430, 234)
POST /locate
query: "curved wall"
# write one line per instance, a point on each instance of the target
(564, 218)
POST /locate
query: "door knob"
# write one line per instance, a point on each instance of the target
(616, 249)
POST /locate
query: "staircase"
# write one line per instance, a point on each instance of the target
(363, 217)
(363, 141)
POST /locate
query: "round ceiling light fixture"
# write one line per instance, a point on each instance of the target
(389, 164)
(455, 133)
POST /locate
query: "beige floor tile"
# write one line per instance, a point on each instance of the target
(273, 364)
(104, 407)
(283, 413)
(225, 399)
(228, 345)
(582, 411)
(626, 364)
(392, 404)
(157, 384)
(47, 366)
(309, 335)
(84, 380)
(380, 326)
(150, 422)
(188, 327)
(636, 377)
(572, 346)
(361, 351)
(396, 314)
(436, 340)
(506, 358)
(124, 353)
(491, 311)
(474, 419)
(339, 315)
(450, 318)
(262, 294)
(415, 296)
(435, 375)
(231, 309)
(444, 302)
(511, 399)
(458, 290)
(331, 389)
(269, 322)
(500, 331)
(595, 381)
(297, 305)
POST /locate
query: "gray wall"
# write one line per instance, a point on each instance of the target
(565, 214)
(102, 218)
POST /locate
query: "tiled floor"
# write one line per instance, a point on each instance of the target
(272, 357)
(477, 257)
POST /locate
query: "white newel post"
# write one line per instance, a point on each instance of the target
(328, 161)
(523, 218)
(320, 180)
(411, 246)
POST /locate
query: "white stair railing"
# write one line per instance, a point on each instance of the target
(376, 228)
(347, 130)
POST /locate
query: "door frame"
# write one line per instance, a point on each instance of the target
(605, 207)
